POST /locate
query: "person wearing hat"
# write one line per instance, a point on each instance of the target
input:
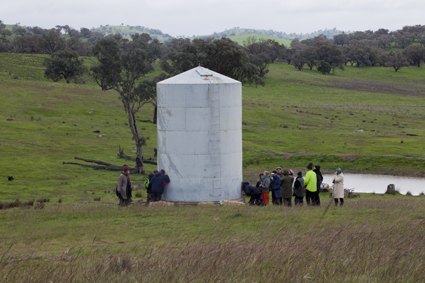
(310, 185)
(124, 186)
(276, 201)
(277, 192)
(298, 189)
(338, 190)
(319, 182)
(286, 187)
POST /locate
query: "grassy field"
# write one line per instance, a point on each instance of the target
(241, 38)
(297, 118)
(377, 238)
(361, 119)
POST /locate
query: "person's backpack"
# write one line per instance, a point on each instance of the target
(271, 186)
(147, 183)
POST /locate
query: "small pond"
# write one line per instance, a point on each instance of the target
(365, 183)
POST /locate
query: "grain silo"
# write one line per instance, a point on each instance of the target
(200, 136)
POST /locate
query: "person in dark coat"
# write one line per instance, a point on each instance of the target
(286, 187)
(158, 184)
(298, 189)
(274, 200)
(124, 187)
(149, 197)
(319, 182)
(253, 192)
(260, 176)
(276, 188)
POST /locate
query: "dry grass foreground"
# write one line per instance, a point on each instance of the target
(379, 239)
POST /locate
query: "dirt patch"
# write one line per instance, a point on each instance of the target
(345, 157)
(370, 86)
(378, 87)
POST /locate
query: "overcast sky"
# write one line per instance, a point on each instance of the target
(190, 17)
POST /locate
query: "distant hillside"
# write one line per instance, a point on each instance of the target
(240, 39)
(278, 34)
(127, 31)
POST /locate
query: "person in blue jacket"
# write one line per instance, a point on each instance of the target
(276, 188)
(158, 184)
(253, 192)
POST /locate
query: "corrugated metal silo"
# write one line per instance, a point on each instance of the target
(200, 136)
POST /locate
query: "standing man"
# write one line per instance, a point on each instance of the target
(319, 182)
(298, 189)
(286, 187)
(124, 186)
(277, 192)
(158, 184)
(149, 197)
(276, 201)
(310, 185)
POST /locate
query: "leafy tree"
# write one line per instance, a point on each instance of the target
(324, 67)
(310, 56)
(85, 32)
(298, 60)
(269, 47)
(95, 36)
(37, 30)
(220, 55)
(18, 30)
(332, 55)
(52, 42)
(27, 44)
(74, 43)
(263, 52)
(122, 64)
(2, 25)
(404, 39)
(395, 60)
(261, 61)
(341, 39)
(5, 32)
(64, 64)
(415, 54)
(74, 33)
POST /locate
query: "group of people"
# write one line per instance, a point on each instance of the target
(155, 185)
(283, 186)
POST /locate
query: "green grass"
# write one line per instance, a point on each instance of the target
(240, 39)
(375, 238)
(297, 111)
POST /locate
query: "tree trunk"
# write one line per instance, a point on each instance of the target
(155, 113)
(135, 132)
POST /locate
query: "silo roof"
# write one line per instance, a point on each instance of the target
(199, 75)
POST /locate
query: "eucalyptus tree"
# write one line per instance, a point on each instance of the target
(64, 64)
(395, 60)
(121, 66)
(415, 54)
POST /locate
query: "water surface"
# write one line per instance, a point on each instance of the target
(365, 183)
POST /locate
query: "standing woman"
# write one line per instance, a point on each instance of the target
(265, 185)
(338, 190)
